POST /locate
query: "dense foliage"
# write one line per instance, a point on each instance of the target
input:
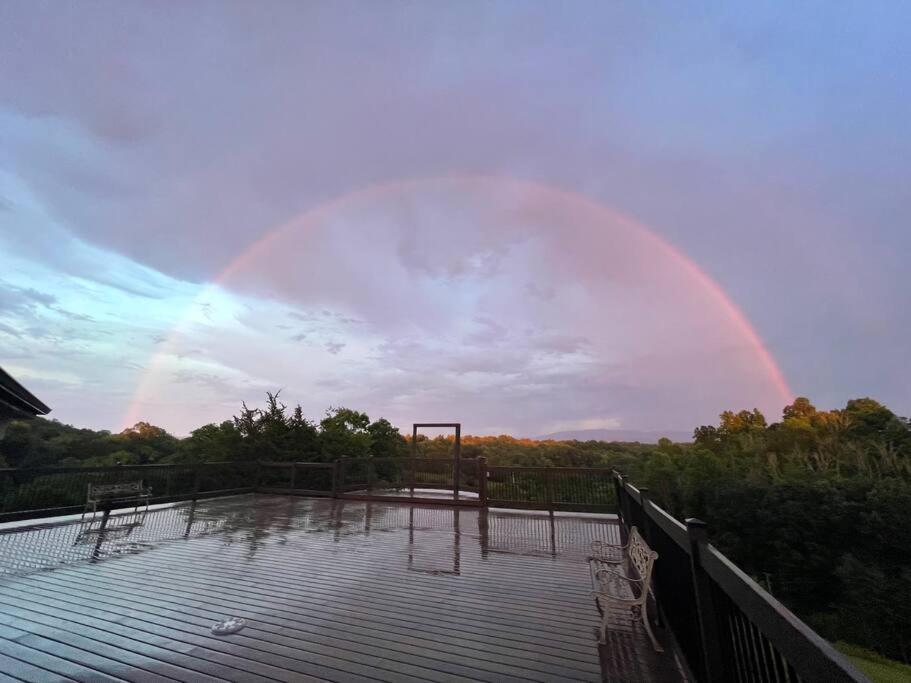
(817, 506)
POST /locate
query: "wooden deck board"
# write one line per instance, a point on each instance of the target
(389, 633)
(450, 658)
(331, 590)
(56, 656)
(179, 665)
(12, 669)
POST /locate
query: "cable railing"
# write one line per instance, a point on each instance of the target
(580, 489)
(305, 478)
(726, 626)
(51, 491)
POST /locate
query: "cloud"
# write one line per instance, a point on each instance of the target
(19, 299)
(12, 331)
(146, 148)
(587, 423)
(335, 347)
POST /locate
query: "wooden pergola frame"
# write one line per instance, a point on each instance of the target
(456, 453)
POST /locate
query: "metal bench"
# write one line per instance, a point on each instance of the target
(623, 590)
(131, 494)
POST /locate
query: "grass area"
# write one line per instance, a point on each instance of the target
(877, 667)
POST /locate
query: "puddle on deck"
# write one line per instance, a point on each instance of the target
(252, 520)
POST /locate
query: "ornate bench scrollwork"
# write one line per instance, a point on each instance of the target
(622, 576)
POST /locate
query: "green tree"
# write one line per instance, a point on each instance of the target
(212, 443)
(344, 434)
(385, 440)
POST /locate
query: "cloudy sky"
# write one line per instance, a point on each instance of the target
(526, 216)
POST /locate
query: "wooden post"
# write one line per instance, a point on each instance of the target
(712, 659)
(549, 488)
(457, 463)
(414, 455)
(482, 481)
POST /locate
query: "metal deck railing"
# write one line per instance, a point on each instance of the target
(727, 627)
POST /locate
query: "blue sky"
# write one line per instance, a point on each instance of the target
(143, 147)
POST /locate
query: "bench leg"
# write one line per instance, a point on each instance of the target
(648, 629)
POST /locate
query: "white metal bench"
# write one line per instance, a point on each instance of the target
(619, 589)
(130, 494)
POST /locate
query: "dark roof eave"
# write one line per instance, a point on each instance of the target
(18, 398)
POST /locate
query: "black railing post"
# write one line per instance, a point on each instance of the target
(622, 507)
(482, 481)
(615, 480)
(258, 477)
(646, 530)
(336, 476)
(709, 634)
(293, 475)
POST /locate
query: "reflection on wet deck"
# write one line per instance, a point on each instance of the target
(331, 590)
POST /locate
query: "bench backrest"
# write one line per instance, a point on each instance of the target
(640, 555)
(97, 491)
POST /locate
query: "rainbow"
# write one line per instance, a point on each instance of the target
(316, 215)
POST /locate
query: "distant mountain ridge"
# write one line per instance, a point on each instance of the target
(627, 435)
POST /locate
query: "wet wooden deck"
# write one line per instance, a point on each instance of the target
(331, 591)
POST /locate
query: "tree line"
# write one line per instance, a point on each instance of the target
(271, 433)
